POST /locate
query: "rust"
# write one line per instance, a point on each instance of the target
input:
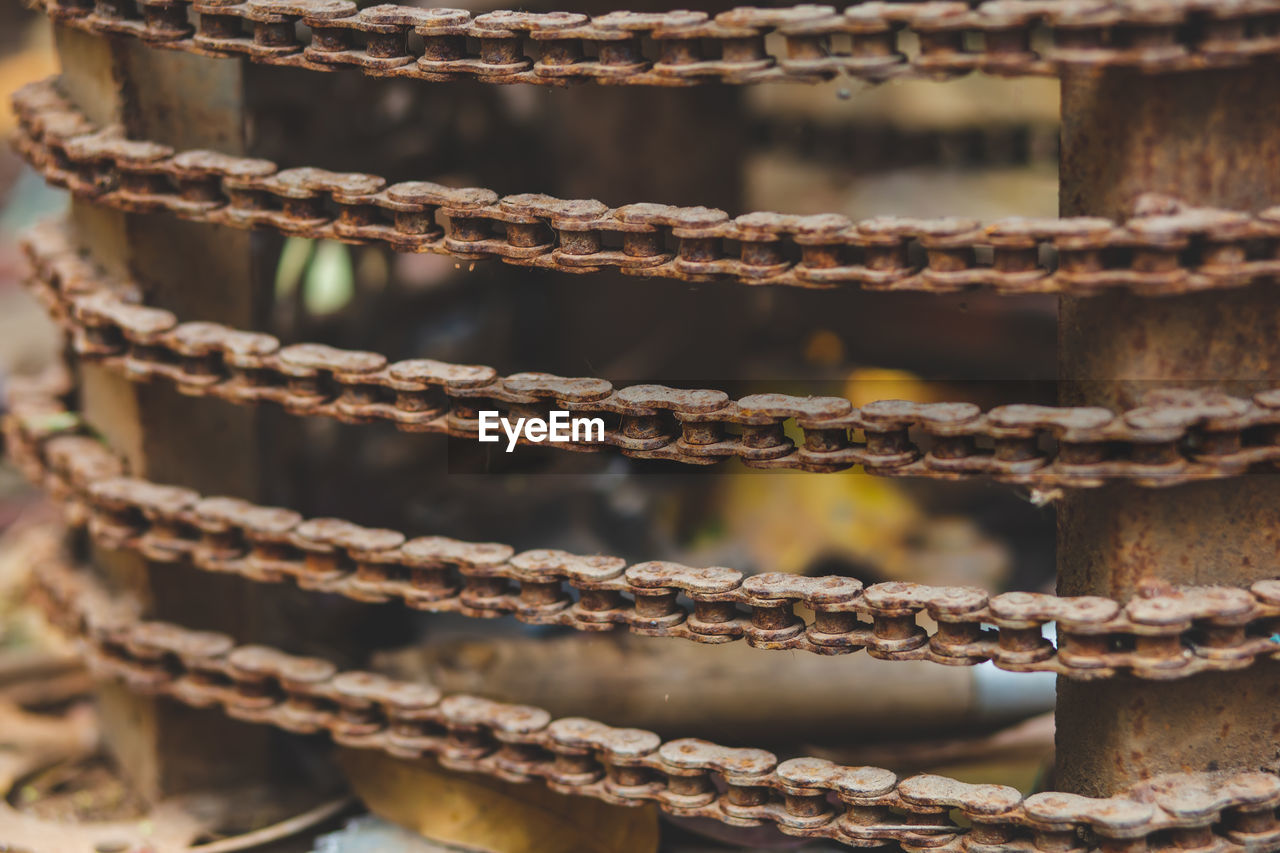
(1154, 245)
(62, 747)
(1175, 632)
(953, 39)
(1183, 145)
(805, 797)
(1172, 437)
(1162, 249)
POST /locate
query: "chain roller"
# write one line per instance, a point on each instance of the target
(1176, 436)
(1164, 248)
(806, 797)
(1165, 636)
(872, 41)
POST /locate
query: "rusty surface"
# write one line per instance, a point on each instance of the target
(1171, 438)
(1141, 132)
(1163, 248)
(164, 748)
(57, 794)
(806, 797)
(868, 41)
(167, 749)
(1168, 636)
(1206, 140)
(1205, 137)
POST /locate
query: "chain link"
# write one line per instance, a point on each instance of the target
(807, 797)
(1176, 436)
(1165, 248)
(1163, 636)
(870, 41)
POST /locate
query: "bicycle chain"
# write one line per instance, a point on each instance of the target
(1176, 436)
(807, 797)
(871, 41)
(1160, 636)
(1165, 248)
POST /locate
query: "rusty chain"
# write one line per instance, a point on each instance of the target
(871, 41)
(808, 797)
(1160, 636)
(1176, 436)
(1165, 248)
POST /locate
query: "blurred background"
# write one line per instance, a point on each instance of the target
(977, 147)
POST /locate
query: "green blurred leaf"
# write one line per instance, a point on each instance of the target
(54, 422)
(330, 281)
(292, 265)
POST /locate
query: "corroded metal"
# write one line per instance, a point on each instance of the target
(1152, 247)
(1171, 438)
(807, 797)
(165, 749)
(1163, 248)
(59, 743)
(865, 41)
(1162, 637)
(1202, 139)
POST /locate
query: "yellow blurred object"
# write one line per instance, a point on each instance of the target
(824, 348)
(865, 384)
(789, 522)
(482, 814)
(34, 62)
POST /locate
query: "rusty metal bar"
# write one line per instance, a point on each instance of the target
(1208, 139)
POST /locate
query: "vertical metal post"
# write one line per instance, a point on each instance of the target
(1210, 138)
